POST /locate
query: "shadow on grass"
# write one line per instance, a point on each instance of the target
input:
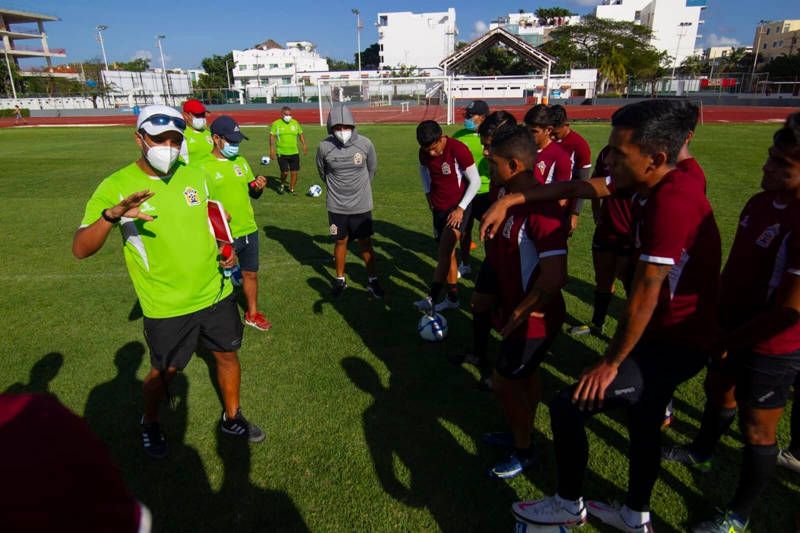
(42, 373)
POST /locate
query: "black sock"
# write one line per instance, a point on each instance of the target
(524, 453)
(452, 292)
(601, 302)
(481, 331)
(714, 424)
(758, 468)
(795, 429)
(436, 289)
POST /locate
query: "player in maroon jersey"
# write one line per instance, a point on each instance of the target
(686, 161)
(525, 268)
(450, 180)
(664, 331)
(552, 161)
(580, 156)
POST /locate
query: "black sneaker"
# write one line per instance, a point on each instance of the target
(280, 189)
(153, 440)
(338, 287)
(375, 289)
(240, 427)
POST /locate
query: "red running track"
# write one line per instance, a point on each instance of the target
(394, 115)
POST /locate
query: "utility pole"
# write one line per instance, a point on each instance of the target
(10, 75)
(359, 25)
(755, 52)
(159, 38)
(100, 28)
(681, 33)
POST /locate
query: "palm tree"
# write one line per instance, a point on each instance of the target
(692, 66)
(733, 61)
(612, 68)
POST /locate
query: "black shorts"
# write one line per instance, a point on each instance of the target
(172, 341)
(601, 242)
(764, 381)
(480, 204)
(520, 357)
(289, 162)
(350, 226)
(486, 282)
(246, 248)
(440, 221)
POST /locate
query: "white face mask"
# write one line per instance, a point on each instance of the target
(198, 123)
(161, 158)
(343, 135)
(287, 118)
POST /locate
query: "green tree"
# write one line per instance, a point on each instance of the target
(496, 61)
(547, 15)
(783, 67)
(736, 61)
(370, 57)
(692, 66)
(217, 70)
(612, 70)
(6, 81)
(338, 65)
(139, 64)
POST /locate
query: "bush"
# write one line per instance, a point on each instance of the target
(10, 112)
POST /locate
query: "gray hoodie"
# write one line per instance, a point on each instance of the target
(347, 169)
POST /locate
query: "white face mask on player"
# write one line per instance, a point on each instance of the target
(198, 123)
(161, 158)
(343, 135)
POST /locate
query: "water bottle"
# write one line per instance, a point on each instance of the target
(227, 252)
(236, 276)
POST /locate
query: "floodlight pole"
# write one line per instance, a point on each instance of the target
(10, 75)
(681, 33)
(357, 13)
(755, 52)
(159, 38)
(100, 28)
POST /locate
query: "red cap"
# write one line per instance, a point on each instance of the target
(193, 106)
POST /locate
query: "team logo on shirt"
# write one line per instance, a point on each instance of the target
(238, 170)
(446, 168)
(358, 158)
(192, 198)
(334, 230)
(542, 166)
(218, 176)
(507, 228)
(766, 238)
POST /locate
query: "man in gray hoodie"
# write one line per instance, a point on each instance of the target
(347, 162)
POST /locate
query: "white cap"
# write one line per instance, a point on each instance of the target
(143, 123)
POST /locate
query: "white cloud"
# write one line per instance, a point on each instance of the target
(479, 28)
(143, 54)
(712, 39)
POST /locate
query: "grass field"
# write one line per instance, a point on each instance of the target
(368, 428)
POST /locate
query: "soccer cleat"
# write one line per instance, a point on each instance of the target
(240, 427)
(291, 191)
(258, 321)
(724, 522)
(682, 454)
(583, 329)
(511, 466)
(464, 270)
(550, 511)
(446, 304)
(668, 418)
(425, 305)
(153, 440)
(611, 514)
(338, 287)
(281, 188)
(787, 459)
(375, 289)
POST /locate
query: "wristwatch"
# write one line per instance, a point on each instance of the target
(109, 219)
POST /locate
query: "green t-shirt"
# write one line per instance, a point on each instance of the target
(473, 142)
(172, 260)
(228, 182)
(198, 143)
(286, 136)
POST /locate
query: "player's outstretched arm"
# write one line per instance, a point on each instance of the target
(89, 239)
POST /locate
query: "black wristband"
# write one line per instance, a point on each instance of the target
(109, 219)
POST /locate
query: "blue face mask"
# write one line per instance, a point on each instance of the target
(469, 123)
(230, 150)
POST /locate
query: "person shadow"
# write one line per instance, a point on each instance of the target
(42, 373)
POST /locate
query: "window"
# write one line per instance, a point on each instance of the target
(764, 47)
(780, 44)
(242, 67)
(767, 31)
(287, 65)
(286, 80)
(774, 44)
(381, 47)
(383, 20)
(777, 29)
(273, 65)
(637, 15)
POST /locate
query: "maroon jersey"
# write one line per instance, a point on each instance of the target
(580, 154)
(529, 233)
(447, 174)
(693, 168)
(765, 249)
(677, 228)
(552, 164)
(614, 225)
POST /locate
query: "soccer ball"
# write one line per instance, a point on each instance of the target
(314, 191)
(432, 328)
(522, 527)
(265, 160)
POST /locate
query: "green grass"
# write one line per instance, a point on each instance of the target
(368, 428)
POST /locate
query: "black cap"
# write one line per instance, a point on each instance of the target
(477, 107)
(228, 129)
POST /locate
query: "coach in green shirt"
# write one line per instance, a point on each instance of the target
(197, 137)
(283, 136)
(159, 205)
(231, 181)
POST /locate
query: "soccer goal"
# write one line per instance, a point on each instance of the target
(385, 99)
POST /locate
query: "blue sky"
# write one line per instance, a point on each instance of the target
(202, 27)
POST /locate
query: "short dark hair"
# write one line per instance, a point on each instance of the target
(494, 121)
(428, 132)
(787, 139)
(515, 143)
(538, 115)
(691, 114)
(658, 126)
(558, 115)
(285, 108)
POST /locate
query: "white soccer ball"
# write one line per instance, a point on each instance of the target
(432, 328)
(265, 160)
(314, 191)
(522, 527)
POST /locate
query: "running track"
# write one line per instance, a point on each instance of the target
(416, 114)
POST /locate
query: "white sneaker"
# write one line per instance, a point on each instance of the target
(548, 512)
(446, 304)
(787, 460)
(464, 270)
(425, 305)
(611, 514)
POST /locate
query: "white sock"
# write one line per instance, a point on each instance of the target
(572, 506)
(373, 278)
(634, 518)
(340, 278)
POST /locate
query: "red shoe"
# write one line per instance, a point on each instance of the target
(258, 321)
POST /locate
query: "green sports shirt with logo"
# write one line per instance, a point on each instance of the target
(286, 134)
(198, 143)
(473, 142)
(172, 260)
(228, 182)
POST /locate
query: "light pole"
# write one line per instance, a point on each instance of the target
(357, 13)
(159, 38)
(100, 28)
(10, 75)
(681, 33)
(758, 46)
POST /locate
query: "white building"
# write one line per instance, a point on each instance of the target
(421, 40)
(530, 27)
(270, 63)
(675, 23)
